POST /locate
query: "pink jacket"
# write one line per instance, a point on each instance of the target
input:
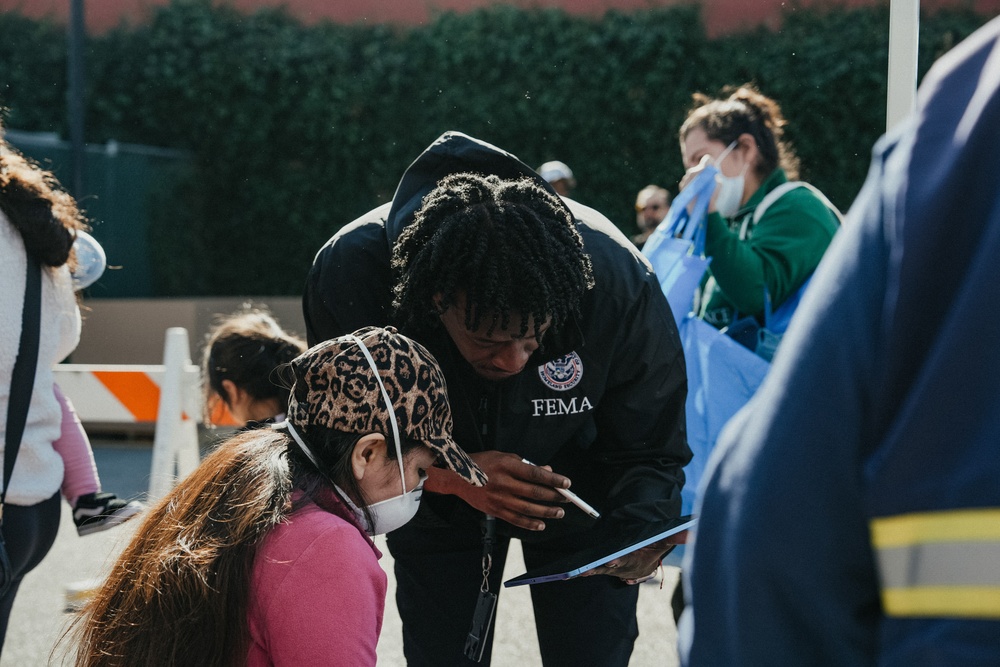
(318, 594)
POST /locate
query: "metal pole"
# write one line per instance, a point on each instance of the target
(77, 35)
(904, 37)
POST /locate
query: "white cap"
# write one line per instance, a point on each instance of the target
(90, 260)
(555, 171)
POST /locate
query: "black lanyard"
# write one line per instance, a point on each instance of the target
(482, 617)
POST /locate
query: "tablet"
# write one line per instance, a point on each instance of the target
(609, 549)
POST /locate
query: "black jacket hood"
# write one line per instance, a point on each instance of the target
(455, 153)
(452, 153)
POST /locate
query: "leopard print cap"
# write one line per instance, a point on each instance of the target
(335, 387)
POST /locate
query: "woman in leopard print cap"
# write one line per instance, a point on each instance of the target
(263, 555)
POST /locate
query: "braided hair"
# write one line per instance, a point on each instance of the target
(510, 245)
(745, 110)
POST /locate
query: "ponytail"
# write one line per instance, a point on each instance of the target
(745, 110)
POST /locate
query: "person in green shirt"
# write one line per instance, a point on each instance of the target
(742, 136)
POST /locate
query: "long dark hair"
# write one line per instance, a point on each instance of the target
(43, 213)
(745, 110)
(179, 593)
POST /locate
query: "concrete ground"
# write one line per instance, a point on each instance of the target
(39, 617)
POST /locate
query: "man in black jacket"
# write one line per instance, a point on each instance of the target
(559, 348)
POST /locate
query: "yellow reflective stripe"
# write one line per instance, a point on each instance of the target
(981, 602)
(940, 564)
(952, 526)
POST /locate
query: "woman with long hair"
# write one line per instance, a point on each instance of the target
(39, 226)
(263, 555)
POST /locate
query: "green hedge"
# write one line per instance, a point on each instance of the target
(297, 130)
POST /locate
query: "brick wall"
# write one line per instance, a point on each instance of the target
(721, 16)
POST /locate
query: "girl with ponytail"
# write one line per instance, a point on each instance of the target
(241, 353)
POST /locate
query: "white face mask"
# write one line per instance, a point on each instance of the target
(392, 513)
(730, 196)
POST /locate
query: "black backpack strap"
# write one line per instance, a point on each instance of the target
(23, 378)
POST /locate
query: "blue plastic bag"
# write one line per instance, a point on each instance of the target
(764, 340)
(722, 374)
(676, 248)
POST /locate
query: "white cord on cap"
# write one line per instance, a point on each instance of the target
(287, 425)
(388, 405)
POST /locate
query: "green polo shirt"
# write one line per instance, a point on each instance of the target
(780, 252)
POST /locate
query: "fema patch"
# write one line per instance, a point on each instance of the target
(563, 373)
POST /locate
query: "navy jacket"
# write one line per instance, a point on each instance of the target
(850, 515)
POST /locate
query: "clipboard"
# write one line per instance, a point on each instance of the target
(588, 559)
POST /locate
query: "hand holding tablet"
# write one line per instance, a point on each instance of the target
(589, 559)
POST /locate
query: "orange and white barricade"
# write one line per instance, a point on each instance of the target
(168, 396)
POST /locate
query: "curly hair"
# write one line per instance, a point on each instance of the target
(510, 245)
(43, 213)
(745, 110)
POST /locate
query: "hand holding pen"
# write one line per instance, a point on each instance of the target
(573, 498)
(522, 494)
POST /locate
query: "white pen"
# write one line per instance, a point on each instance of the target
(572, 497)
